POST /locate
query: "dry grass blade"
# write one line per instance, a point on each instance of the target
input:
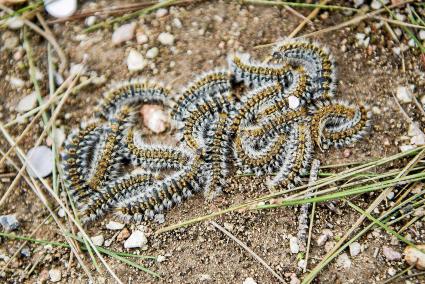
(310, 17)
(250, 251)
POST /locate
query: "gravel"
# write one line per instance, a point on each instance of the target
(343, 261)
(293, 244)
(166, 38)
(123, 33)
(403, 94)
(137, 239)
(390, 253)
(40, 161)
(415, 257)
(152, 52)
(61, 8)
(55, 275)
(355, 249)
(135, 61)
(9, 222)
(27, 103)
(112, 225)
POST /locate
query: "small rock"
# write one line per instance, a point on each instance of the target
(411, 43)
(43, 276)
(27, 103)
(376, 4)
(390, 253)
(154, 118)
(358, 3)
(249, 280)
(293, 102)
(166, 38)
(136, 240)
(160, 258)
(76, 69)
(293, 244)
(123, 235)
(161, 12)
(391, 271)
(205, 278)
(61, 213)
(218, 19)
(404, 94)
(329, 246)
(422, 35)
(55, 275)
(141, 38)
(390, 195)
(135, 61)
(16, 82)
(404, 148)
(61, 8)
(355, 248)
(294, 279)
(15, 23)
(26, 252)
(347, 153)
(10, 40)
(112, 225)
(123, 33)
(159, 218)
(376, 110)
(326, 234)
(90, 21)
(343, 261)
(98, 240)
(9, 222)
(228, 226)
(152, 53)
(40, 161)
(415, 257)
(177, 23)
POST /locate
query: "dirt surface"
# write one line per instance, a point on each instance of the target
(201, 253)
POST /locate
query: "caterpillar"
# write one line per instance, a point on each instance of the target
(265, 119)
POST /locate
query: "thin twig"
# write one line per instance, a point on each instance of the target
(250, 251)
(310, 17)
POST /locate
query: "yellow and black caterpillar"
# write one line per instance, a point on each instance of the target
(252, 118)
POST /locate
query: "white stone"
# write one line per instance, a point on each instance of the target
(61, 8)
(355, 249)
(293, 102)
(135, 61)
(177, 23)
(160, 258)
(404, 148)
(404, 94)
(415, 257)
(358, 3)
(152, 52)
(141, 38)
(61, 213)
(90, 21)
(391, 271)
(294, 279)
(376, 4)
(343, 261)
(137, 239)
(98, 240)
(123, 33)
(390, 253)
(154, 118)
(166, 38)
(112, 225)
(293, 244)
(360, 36)
(76, 69)
(205, 278)
(9, 222)
(27, 103)
(161, 12)
(159, 218)
(16, 82)
(40, 161)
(55, 275)
(249, 280)
(326, 234)
(411, 43)
(15, 23)
(422, 35)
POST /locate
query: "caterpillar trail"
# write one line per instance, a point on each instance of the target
(265, 119)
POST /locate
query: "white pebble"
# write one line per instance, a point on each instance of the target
(90, 21)
(358, 3)
(411, 43)
(415, 257)
(76, 69)
(61, 213)
(404, 94)
(98, 240)
(135, 61)
(177, 23)
(343, 261)
(27, 103)
(141, 38)
(159, 218)
(293, 102)
(376, 4)
(152, 53)
(161, 12)
(326, 234)
(15, 23)
(390, 253)
(112, 225)
(137, 239)
(293, 244)
(55, 275)
(160, 258)
(294, 279)
(391, 271)
(404, 148)
(249, 280)
(166, 38)
(422, 35)
(154, 118)
(61, 8)
(355, 249)
(16, 82)
(40, 161)
(123, 33)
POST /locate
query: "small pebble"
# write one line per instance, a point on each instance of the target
(404, 94)
(376, 4)
(166, 38)
(294, 279)
(61, 8)
(135, 61)
(347, 153)
(112, 225)
(26, 252)
(249, 280)
(161, 12)
(293, 102)
(422, 35)
(160, 258)
(76, 69)
(326, 234)
(61, 213)
(177, 23)
(159, 218)
(343, 261)
(90, 21)
(355, 248)
(16, 82)
(27, 103)
(358, 3)
(391, 271)
(15, 23)
(390, 253)
(136, 240)
(98, 240)
(55, 275)
(40, 161)
(390, 195)
(154, 118)
(205, 278)
(123, 33)
(415, 257)
(9, 222)
(404, 148)
(152, 52)
(293, 244)
(10, 40)
(123, 235)
(141, 38)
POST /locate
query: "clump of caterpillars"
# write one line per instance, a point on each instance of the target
(286, 112)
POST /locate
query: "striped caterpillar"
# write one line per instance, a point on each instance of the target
(265, 119)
